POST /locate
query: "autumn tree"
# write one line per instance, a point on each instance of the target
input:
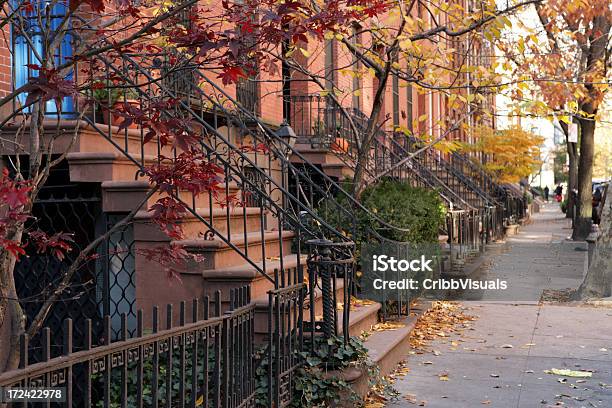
(514, 153)
(435, 48)
(566, 55)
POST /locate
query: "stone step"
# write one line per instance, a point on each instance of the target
(387, 348)
(316, 156)
(262, 301)
(101, 138)
(123, 196)
(362, 318)
(90, 140)
(236, 221)
(105, 166)
(339, 171)
(227, 278)
(198, 283)
(219, 255)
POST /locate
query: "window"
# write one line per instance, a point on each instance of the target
(409, 107)
(247, 89)
(396, 108)
(29, 50)
(356, 41)
(286, 73)
(330, 74)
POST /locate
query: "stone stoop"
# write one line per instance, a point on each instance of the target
(251, 230)
(123, 196)
(329, 161)
(386, 349)
(456, 184)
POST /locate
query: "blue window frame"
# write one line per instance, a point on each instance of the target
(29, 48)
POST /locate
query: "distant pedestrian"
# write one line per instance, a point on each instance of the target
(559, 193)
(546, 192)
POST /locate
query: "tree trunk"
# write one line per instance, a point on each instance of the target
(582, 226)
(598, 280)
(12, 319)
(359, 181)
(572, 183)
(572, 153)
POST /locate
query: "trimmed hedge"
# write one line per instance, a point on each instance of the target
(417, 211)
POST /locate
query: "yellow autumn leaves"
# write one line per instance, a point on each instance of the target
(512, 153)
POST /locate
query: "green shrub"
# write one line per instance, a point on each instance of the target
(564, 204)
(417, 211)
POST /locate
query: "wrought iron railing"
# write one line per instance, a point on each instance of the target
(320, 123)
(205, 359)
(514, 206)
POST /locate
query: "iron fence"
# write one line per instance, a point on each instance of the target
(103, 285)
(285, 341)
(208, 361)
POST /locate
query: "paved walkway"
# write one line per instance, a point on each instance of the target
(500, 361)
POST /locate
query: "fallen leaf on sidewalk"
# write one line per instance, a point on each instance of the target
(427, 362)
(441, 321)
(411, 398)
(443, 376)
(402, 370)
(486, 402)
(569, 373)
(528, 345)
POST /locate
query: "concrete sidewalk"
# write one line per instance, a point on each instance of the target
(500, 361)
